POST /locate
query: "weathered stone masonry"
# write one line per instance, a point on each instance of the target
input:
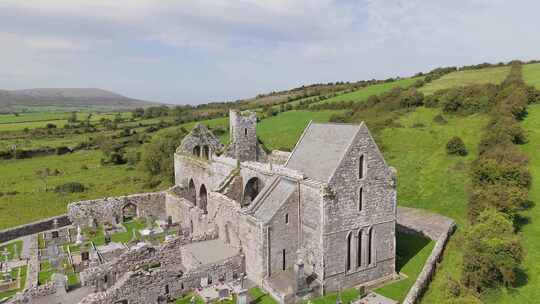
(328, 206)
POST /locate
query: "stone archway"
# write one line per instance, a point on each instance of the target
(203, 195)
(192, 192)
(251, 190)
(129, 212)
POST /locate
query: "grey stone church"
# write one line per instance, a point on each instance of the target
(329, 205)
(315, 220)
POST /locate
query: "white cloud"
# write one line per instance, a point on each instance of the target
(244, 46)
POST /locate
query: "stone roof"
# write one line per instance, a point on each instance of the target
(321, 148)
(273, 198)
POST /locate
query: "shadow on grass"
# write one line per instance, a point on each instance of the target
(408, 246)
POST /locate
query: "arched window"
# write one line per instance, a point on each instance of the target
(129, 212)
(361, 199)
(197, 151)
(359, 250)
(206, 152)
(245, 131)
(192, 192)
(286, 218)
(252, 189)
(361, 166)
(370, 247)
(348, 265)
(202, 199)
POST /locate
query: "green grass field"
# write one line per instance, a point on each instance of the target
(45, 272)
(283, 130)
(461, 78)
(430, 179)
(258, 296)
(412, 252)
(32, 202)
(376, 89)
(10, 122)
(531, 74)
(125, 237)
(10, 247)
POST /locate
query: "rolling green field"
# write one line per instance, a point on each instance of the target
(462, 78)
(31, 202)
(430, 179)
(10, 122)
(376, 89)
(531, 74)
(282, 131)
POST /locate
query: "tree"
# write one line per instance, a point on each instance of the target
(137, 112)
(157, 155)
(72, 118)
(492, 252)
(456, 146)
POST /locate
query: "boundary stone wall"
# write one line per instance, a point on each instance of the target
(435, 227)
(33, 228)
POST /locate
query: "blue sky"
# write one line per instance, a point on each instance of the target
(200, 51)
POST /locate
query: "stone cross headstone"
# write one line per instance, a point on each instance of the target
(107, 237)
(15, 251)
(79, 235)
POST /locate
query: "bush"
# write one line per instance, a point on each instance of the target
(157, 156)
(440, 119)
(71, 187)
(492, 252)
(456, 146)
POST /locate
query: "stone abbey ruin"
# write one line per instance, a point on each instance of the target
(298, 224)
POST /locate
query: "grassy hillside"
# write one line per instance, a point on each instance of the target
(428, 178)
(531, 74)
(376, 89)
(467, 77)
(282, 131)
(10, 122)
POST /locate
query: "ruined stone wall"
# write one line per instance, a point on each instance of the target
(110, 209)
(343, 216)
(284, 235)
(141, 287)
(209, 173)
(200, 136)
(33, 228)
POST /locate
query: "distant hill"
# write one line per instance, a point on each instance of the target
(70, 98)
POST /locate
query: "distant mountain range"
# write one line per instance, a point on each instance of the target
(73, 97)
